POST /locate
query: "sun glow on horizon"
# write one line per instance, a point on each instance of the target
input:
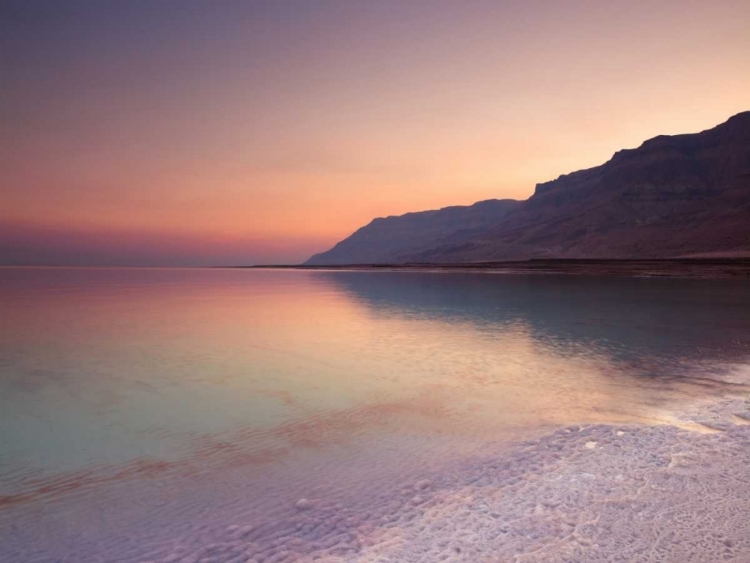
(262, 133)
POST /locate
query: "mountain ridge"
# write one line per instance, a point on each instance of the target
(389, 239)
(674, 195)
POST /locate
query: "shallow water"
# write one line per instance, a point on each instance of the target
(140, 408)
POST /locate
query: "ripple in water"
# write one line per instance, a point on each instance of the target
(223, 415)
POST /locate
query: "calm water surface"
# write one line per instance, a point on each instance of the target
(112, 381)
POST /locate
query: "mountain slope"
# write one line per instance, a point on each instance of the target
(672, 196)
(390, 239)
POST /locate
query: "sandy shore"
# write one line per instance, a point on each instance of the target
(673, 491)
(598, 493)
(670, 493)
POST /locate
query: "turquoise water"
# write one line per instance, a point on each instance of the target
(118, 383)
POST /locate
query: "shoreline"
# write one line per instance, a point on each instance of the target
(693, 268)
(577, 493)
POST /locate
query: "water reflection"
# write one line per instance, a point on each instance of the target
(201, 369)
(654, 327)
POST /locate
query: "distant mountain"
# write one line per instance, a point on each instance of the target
(681, 195)
(393, 239)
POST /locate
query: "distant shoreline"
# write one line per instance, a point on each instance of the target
(699, 268)
(693, 268)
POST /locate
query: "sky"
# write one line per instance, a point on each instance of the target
(181, 132)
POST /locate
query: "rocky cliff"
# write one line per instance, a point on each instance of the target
(681, 195)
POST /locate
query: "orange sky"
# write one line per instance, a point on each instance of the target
(238, 132)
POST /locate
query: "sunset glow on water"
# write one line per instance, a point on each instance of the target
(233, 390)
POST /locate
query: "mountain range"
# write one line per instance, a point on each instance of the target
(674, 196)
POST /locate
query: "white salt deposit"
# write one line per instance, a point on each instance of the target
(649, 493)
